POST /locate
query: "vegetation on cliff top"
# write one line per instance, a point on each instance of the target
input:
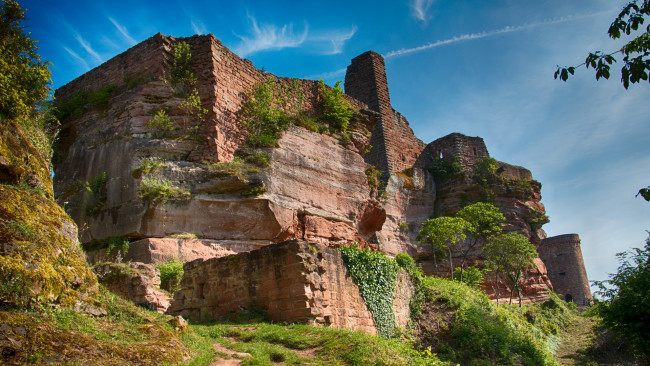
(274, 105)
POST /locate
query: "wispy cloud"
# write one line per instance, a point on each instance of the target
(421, 9)
(86, 46)
(336, 39)
(485, 34)
(125, 33)
(79, 59)
(269, 37)
(198, 27)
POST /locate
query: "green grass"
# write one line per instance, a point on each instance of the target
(299, 344)
(160, 189)
(482, 333)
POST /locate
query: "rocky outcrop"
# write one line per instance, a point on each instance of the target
(161, 250)
(41, 262)
(134, 281)
(121, 174)
(294, 281)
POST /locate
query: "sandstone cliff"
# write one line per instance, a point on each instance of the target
(120, 173)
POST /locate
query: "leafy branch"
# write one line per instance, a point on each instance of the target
(635, 53)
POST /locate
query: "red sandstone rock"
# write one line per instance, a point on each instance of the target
(137, 282)
(315, 188)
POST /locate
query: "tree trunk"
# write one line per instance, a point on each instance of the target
(511, 278)
(518, 290)
(451, 265)
(497, 284)
(435, 262)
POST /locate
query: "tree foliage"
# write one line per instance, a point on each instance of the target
(625, 307)
(336, 110)
(645, 193)
(24, 78)
(463, 234)
(509, 254)
(636, 53)
(444, 233)
(485, 221)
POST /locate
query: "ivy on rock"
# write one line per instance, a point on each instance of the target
(375, 275)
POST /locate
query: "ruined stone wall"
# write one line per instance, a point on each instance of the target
(144, 60)
(394, 145)
(566, 269)
(293, 281)
(366, 81)
(467, 149)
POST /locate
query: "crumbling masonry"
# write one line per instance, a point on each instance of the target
(315, 189)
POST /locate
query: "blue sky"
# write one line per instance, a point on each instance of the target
(482, 68)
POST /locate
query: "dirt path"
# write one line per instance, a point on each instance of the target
(231, 358)
(576, 339)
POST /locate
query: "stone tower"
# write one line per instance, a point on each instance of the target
(394, 146)
(455, 146)
(566, 269)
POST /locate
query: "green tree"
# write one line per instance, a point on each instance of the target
(625, 306)
(636, 53)
(444, 233)
(485, 221)
(509, 254)
(24, 78)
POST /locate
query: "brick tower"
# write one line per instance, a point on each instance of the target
(566, 268)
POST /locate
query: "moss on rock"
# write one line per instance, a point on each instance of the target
(40, 258)
(21, 163)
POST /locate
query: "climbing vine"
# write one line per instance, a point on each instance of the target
(375, 274)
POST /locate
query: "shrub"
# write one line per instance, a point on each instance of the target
(96, 188)
(192, 106)
(335, 109)
(236, 166)
(162, 190)
(181, 67)
(147, 166)
(161, 122)
(259, 158)
(171, 274)
(471, 276)
(373, 176)
(112, 243)
(263, 118)
(75, 105)
(443, 169)
(625, 307)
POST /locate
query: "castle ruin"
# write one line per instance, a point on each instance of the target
(315, 190)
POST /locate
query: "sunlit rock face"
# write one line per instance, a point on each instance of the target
(185, 190)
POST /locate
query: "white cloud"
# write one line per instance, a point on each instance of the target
(337, 39)
(198, 27)
(421, 9)
(269, 37)
(484, 34)
(125, 33)
(79, 59)
(86, 46)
